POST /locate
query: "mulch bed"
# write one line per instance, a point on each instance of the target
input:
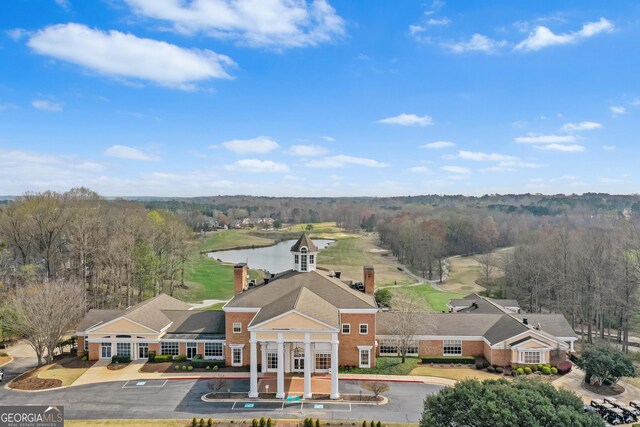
(605, 390)
(160, 367)
(30, 381)
(116, 366)
(74, 362)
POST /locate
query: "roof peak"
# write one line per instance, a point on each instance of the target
(304, 241)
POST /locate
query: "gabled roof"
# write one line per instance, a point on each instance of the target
(303, 301)
(439, 324)
(195, 321)
(505, 328)
(330, 289)
(147, 313)
(477, 306)
(305, 241)
(554, 324)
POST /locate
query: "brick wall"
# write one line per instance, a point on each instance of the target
(430, 348)
(241, 338)
(94, 351)
(348, 347)
(472, 348)
(154, 346)
(80, 346)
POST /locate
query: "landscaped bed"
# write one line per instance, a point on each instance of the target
(64, 371)
(386, 366)
(453, 373)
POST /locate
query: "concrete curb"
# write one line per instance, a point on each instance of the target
(11, 359)
(384, 401)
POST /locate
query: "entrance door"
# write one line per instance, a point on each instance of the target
(143, 350)
(192, 350)
(298, 364)
(105, 350)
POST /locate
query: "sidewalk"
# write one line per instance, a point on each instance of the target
(573, 382)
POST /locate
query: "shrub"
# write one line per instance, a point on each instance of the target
(499, 370)
(201, 422)
(269, 422)
(546, 370)
(317, 422)
(208, 368)
(215, 368)
(254, 422)
(194, 422)
(152, 356)
(378, 424)
(177, 367)
(180, 358)
(202, 364)
(184, 367)
(554, 371)
(190, 368)
(197, 357)
(527, 370)
(540, 367)
(520, 371)
(514, 367)
(162, 358)
(210, 422)
(491, 369)
(468, 360)
(85, 357)
(120, 359)
(565, 367)
(364, 424)
(534, 368)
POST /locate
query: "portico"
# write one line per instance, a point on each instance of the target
(294, 351)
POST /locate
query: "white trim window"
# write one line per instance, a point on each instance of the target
(323, 361)
(170, 347)
(452, 347)
(86, 344)
(236, 356)
(346, 328)
(365, 358)
(213, 350)
(123, 349)
(364, 328)
(105, 350)
(237, 327)
(531, 357)
(272, 360)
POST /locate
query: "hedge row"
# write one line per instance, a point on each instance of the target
(120, 359)
(467, 360)
(207, 363)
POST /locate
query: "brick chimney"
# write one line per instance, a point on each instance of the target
(240, 272)
(369, 283)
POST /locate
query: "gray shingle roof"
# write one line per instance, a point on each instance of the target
(95, 316)
(443, 324)
(554, 324)
(304, 240)
(482, 307)
(195, 321)
(330, 289)
(504, 328)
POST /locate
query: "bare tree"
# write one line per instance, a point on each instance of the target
(487, 265)
(375, 387)
(217, 385)
(43, 313)
(406, 306)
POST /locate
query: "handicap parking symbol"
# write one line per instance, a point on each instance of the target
(318, 406)
(249, 405)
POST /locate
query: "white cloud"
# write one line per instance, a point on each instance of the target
(484, 157)
(45, 105)
(459, 170)
(617, 110)
(343, 160)
(258, 23)
(257, 166)
(416, 29)
(568, 127)
(307, 150)
(126, 152)
(418, 169)
(437, 145)
(477, 43)
(567, 148)
(17, 34)
(439, 22)
(408, 120)
(534, 138)
(328, 138)
(260, 144)
(121, 55)
(609, 147)
(542, 36)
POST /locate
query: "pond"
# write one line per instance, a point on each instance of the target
(274, 258)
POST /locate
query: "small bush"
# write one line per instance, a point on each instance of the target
(499, 370)
(491, 369)
(378, 424)
(269, 422)
(514, 367)
(85, 357)
(184, 367)
(554, 371)
(152, 356)
(208, 368)
(120, 359)
(180, 358)
(210, 422)
(520, 371)
(201, 422)
(565, 367)
(527, 370)
(194, 422)
(162, 358)
(177, 367)
(202, 364)
(364, 424)
(534, 368)
(317, 422)
(546, 370)
(254, 422)
(190, 368)
(215, 368)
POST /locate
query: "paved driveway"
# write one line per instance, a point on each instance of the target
(182, 399)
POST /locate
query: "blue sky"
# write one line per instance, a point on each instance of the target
(319, 98)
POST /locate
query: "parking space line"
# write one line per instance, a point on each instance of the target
(143, 384)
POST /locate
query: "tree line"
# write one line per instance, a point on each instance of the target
(119, 251)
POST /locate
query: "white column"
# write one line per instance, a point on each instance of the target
(280, 392)
(335, 394)
(253, 361)
(263, 359)
(307, 366)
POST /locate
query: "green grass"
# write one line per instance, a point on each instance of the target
(318, 227)
(207, 279)
(230, 239)
(432, 300)
(389, 366)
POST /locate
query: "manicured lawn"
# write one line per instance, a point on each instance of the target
(432, 299)
(58, 372)
(230, 239)
(389, 366)
(454, 373)
(318, 227)
(350, 253)
(207, 279)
